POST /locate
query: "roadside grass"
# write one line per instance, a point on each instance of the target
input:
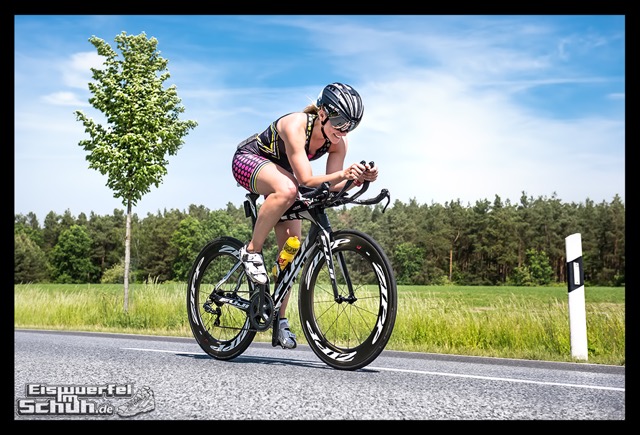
(506, 322)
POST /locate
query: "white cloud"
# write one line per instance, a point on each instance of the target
(65, 99)
(76, 71)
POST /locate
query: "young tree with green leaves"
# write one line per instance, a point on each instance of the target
(143, 125)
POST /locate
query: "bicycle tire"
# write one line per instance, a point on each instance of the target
(348, 335)
(228, 333)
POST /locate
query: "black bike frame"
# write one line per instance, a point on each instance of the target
(320, 228)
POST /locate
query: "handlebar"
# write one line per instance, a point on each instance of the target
(322, 196)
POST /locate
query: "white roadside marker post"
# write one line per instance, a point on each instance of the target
(577, 312)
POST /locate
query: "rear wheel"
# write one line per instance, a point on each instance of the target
(217, 306)
(350, 331)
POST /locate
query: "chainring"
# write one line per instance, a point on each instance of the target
(261, 317)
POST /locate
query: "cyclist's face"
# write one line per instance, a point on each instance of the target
(333, 131)
(337, 131)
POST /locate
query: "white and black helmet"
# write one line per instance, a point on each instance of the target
(343, 105)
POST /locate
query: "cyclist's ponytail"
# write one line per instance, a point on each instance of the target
(311, 108)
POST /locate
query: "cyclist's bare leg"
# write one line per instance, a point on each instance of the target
(283, 231)
(281, 190)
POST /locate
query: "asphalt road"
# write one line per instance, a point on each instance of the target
(115, 377)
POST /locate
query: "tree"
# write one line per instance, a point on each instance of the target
(107, 232)
(541, 270)
(51, 231)
(70, 258)
(30, 226)
(157, 254)
(143, 124)
(408, 260)
(29, 262)
(193, 233)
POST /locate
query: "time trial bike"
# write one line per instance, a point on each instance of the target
(347, 295)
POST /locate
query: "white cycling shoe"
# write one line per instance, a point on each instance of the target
(286, 338)
(254, 266)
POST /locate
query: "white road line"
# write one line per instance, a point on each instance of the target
(491, 378)
(424, 372)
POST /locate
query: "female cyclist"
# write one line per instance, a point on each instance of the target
(274, 162)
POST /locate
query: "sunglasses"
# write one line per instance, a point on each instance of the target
(340, 123)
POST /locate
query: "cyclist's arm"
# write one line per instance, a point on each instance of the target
(292, 131)
(335, 162)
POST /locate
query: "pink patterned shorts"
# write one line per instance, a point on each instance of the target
(245, 169)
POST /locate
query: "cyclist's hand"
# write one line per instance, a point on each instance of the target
(355, 171)
(371, 173)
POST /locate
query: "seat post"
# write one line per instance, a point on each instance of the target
(250, 209)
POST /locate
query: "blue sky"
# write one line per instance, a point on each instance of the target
(459, 107)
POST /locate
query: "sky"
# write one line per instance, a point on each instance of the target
(457, 107)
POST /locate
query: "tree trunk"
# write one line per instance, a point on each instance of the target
(451, 258)
(450, 265)
(127, 257)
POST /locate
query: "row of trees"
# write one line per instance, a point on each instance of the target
(488, 243)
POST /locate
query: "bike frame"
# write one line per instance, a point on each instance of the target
(320, 228)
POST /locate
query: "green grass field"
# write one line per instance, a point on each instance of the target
(506, 322)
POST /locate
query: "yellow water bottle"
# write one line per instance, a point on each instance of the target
(290, 248)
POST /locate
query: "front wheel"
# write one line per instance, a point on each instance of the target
(218, 296)
(349, 331)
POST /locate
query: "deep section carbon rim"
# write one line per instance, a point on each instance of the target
(350, 332)
(221, 328)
